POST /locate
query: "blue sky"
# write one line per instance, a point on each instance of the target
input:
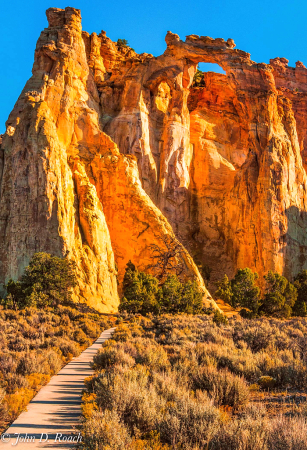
(266, 29)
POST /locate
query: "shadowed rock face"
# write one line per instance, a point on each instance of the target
(106, 151)
(65, 187)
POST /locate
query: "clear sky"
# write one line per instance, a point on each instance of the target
(266, 29)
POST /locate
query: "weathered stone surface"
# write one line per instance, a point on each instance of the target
(65, 187)
(106, 151)
(224, 163)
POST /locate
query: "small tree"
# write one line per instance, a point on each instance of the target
(178, 297)
(15, 298)
(122, 43)
(140, 292)
(167, 258)
(198, 80)
(47, 281)
(245, 292)
(219, 318)
(300, 306)
(192, 298)
(143, 295)
(242, 290)
(170, 294)
(224, 290)
(280, 296)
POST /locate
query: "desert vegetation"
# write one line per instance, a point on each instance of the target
(47, 281)
(198, 80)
(34, 345)
(41, 330)
(279, 297)
(123, 44)
(185, 382)
(145, 294)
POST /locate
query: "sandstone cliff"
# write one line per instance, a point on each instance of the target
(107, 151)
(225, 163)
(65, 187)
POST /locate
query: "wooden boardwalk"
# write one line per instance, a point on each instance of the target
(50, 418)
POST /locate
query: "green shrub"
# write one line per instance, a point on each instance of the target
(219, 318)
(152, 442)
(247, 433)
(47, 281)
(89, 327)
(245, 292)
(266, 382)
(122, 43)
(188, 421)
(140, 292)
(68, 348)
(224, 290)
(53, 361)
(180, 297)
(300, 306)
(241, 290)
(104, 430)
(143, 295)
(110, 356)
(80, 337)
(246, 314)
(198, 80)
(152, 355)
(280, 296)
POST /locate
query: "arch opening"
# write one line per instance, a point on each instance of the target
(210, 67)
(205, 70)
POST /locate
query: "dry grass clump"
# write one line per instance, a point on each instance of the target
(34, 345)
(287, 434)
(186, 383)
(105, 431)
(225, 388)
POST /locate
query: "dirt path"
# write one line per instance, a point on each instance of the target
(48, 422)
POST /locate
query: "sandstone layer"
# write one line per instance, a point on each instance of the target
(108, 151)
(65, 187)
(225, 163)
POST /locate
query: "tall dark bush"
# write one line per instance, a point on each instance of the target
(47, 281)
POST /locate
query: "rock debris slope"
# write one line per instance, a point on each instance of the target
(107, 151)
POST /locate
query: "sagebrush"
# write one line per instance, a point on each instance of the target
(185, 382)
(34, 345)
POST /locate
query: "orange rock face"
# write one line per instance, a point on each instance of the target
(225, 163)
(107, 151)
(65, 187)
